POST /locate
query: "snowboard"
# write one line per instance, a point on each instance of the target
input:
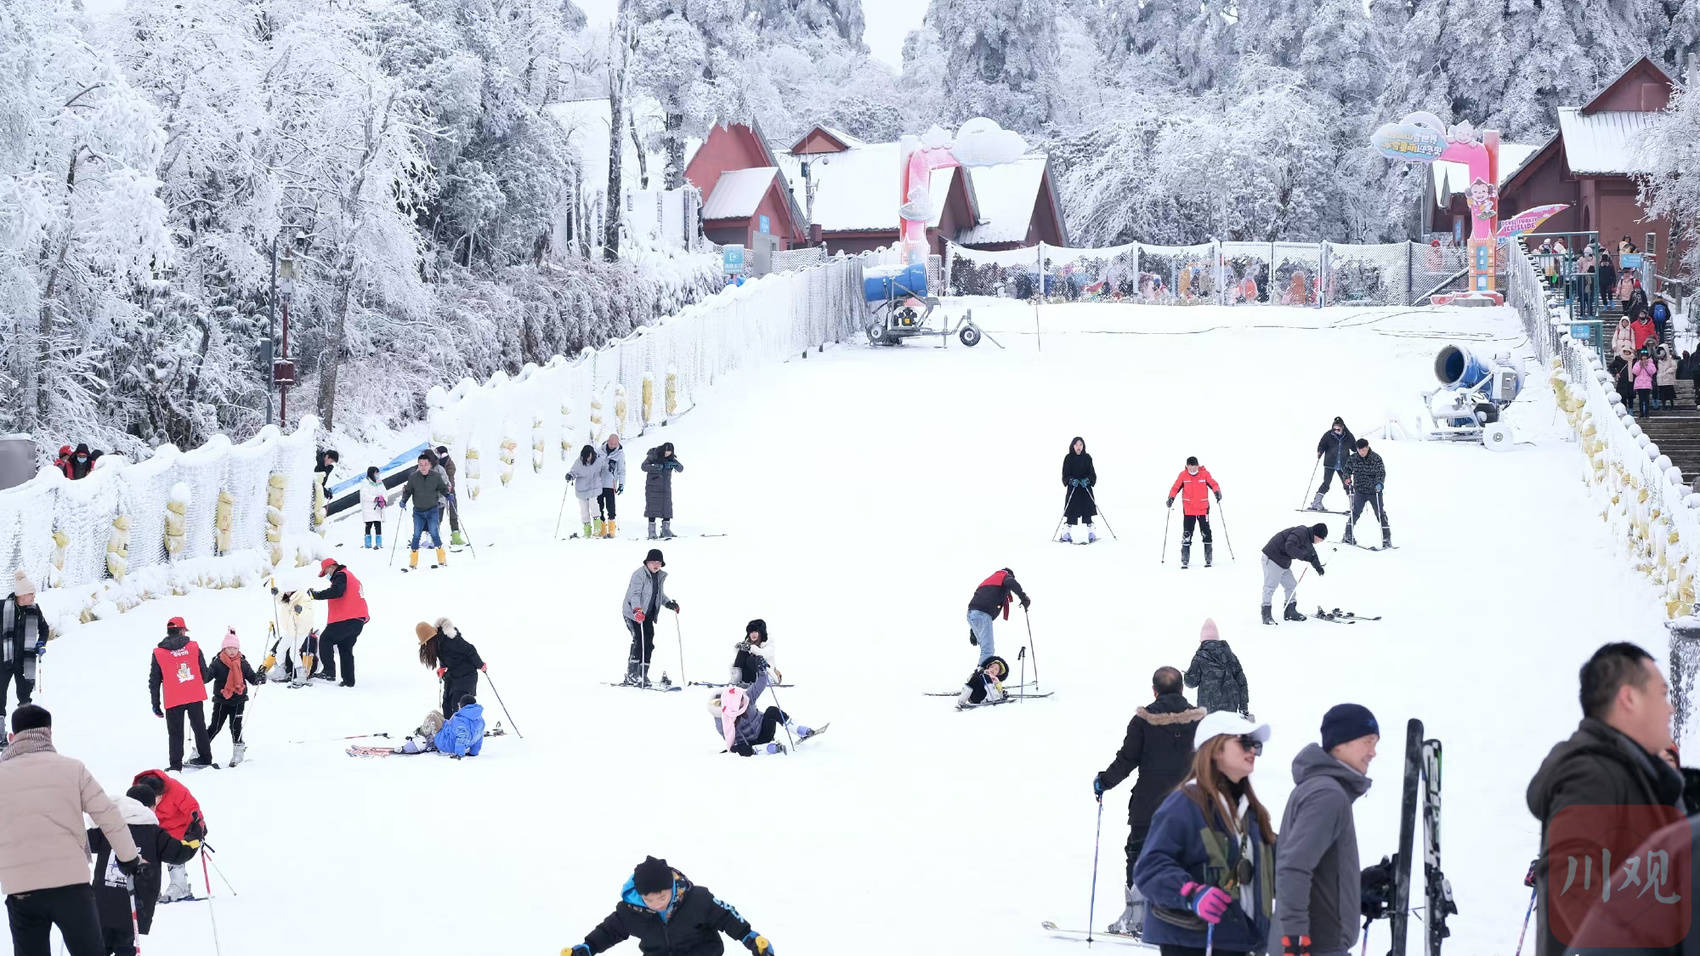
(662, 688)
(1342, 617)
(1080, 934)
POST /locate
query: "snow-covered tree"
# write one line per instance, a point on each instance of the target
(688, 55)
(1001, 60)
(1671, 187)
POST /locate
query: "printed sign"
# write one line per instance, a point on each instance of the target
(732, 260)
(764, 225)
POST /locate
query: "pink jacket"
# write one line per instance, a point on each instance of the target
(1645, 371)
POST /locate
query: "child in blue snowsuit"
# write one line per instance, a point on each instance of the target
(461, 735)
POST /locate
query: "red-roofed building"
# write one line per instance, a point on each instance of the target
(743, 190)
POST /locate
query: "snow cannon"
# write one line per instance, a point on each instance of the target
(880, 283)
(1473, 393)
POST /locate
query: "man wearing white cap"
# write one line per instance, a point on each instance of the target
(23, 640)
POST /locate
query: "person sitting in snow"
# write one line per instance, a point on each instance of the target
(985, 685)
(669, 914)
(744, 728)
(751, 656)
(460, 736)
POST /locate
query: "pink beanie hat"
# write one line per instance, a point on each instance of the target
(733, 702)
(1208, 632)
(230, 640)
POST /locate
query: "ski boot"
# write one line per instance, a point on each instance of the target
(802, 731)
(1386, 538)
(368, 543)
(412, 560)
(456, 539)
(1209, 554)
(1349, 538)
(378, 543)
(665, 680)
(1267, 618)
(200, 763)
(1091, 533)
(1186, 553)
(1316, 503)
(238, 753)
(667, 529)
(1293, 613)
(442, 557)
(775, 748)
(1068, 537)
(1132, 921)
(178, 887)
(608, 528)
(586, 533)
(652, 531)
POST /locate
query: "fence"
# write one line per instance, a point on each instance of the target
(1218, 273)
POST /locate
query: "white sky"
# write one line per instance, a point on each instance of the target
(889, 21)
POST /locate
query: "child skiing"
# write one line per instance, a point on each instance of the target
(646, 594)
(744, 728)
(1215, 670)
(455, 659)
(372, 505)
(1331, 450)
(669, 914)
(658, 467)
(113, 895)
(230, 676)
(613, 480)
(587, 474)
(178, 670)
(1078, 476)
(989, 598)
(751, 657)
(985, 685)
(1193, 484)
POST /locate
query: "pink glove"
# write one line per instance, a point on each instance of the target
(637, 616)
(441, 671)
(1209, 902)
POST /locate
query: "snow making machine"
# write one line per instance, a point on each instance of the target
(1472, 395)
(899, 308)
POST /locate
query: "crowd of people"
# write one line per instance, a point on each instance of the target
(75, 463)
(1589, 277)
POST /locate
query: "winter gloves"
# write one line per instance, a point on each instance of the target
(130, 866)
(578, 950)
(1098, 786)
(441, 671)
(157, 712)
(1218, 497)
(41, 650)
(672, 606)
(638, 616)
(1080, 482)
(758, 944)
(1295, 947)
(1209, 902)
(1170, 503)
(1376, 889)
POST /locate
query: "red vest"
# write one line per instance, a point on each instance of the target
(352, 605)
(181, 669)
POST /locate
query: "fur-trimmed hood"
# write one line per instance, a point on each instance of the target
(447, 627)
(1190, 715)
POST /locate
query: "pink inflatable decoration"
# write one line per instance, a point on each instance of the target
(1422, 138)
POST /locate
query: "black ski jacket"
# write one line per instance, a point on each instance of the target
(1078, 500)
(692, 927)
(1334, 448)
(156, 678)
(1367, 472)
(992, 596)
(1215, 670)
(111, 890)
(1159, 746)
(1290, 545)
(218, 672)
(458, 655)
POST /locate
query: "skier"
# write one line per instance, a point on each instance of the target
(453, 657)
(587, 475)
(426, 488)
(462, 735)
(23, 640)
(1159, 745)
(345, 617)
(669, 914)
(658, 467)
(744, 728)
(646, 594)
(446, 465)
(1318, 886)
(1078, 476)
(985, 685)
(1333, 449)
(296, 635)
(1194, 484)
(1295, 543)
(179, 669)
(1215, 670)
(230, 676)
(1368, 475)
(989, 598)
(372, 505)
(1202, 865)
(113, 894)
(180, 817)
(752, 657)
(613, 480)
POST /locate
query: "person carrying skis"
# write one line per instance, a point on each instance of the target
(113, 895)
(178, 670)
(1194, 485)
(587, 474)
(446, 465)
(1159, 745)
(180, 817)
(646, 594)
(613, 481)
(752, 657)
(453, 657)
(658, 467)
(669, 914)
(1297, 543)
(744, 728)
(372, 505)
(989, 598)
(1215, 670)
(1333, 450)
(426, 489)
(23, 640)
(230, 676)
(1368, 475)
(1078, 476)
(345, 617)
(1318, 885)
(985, 685)
(460, 736)
(1208, 872)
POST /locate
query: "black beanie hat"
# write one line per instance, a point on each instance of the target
(142, 794)
(1319, 531)
(652, 876)
(1339, 421)
(1345, 722)
(1191, 460)
(759, 626)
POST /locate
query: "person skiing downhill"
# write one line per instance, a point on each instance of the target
(744, 727)
(1332, 450)
(989, 598)
(658, 467)
(177, 669)
(1194, 484)
(587, 475)
(1215, 670)
(454, 659)
(668, 914)
(230, 675)
(752, 656)
(646, 594)
(427, 489)
(613, 482)
(1078, 476)
(1368, 475)
(1297, 543)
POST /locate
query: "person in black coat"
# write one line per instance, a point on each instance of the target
(1159, 745)
(1333, 450)
(1297, 543)
(112, 889)
(456, 661)
(991, 598)
(1369, 473)
(668, 914)
(1079, 477)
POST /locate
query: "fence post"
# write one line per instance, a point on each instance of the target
(1322, 276)
(1684, 665)
(1410, 270)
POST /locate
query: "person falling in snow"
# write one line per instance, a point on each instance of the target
(177, 670)
(1368, 476)
(462, 735)
(985, 685)
(1333, 450)
(991, 597)
(751, 656)
(1078, 476)
(667, 913)
(230, 675)
(1215, 670)
(658, 467)
(646, 594)
(1194, 485)
(587, 475)
(1297, 543)
(748, 730)
(454, 659)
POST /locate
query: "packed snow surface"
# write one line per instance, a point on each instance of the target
(863, 494)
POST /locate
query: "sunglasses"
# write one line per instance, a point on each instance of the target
(1251, 745)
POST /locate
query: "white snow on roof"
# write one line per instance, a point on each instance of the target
(855, 190)
(1007, 193)
(1605, 142)
(1450, 177)
(737, 193)
(843, 137)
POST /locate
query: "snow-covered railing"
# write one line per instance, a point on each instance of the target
(645, 379)
(217, 515)
(1534, 300)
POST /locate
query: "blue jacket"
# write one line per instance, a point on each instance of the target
(463, 734)
(1179, 849)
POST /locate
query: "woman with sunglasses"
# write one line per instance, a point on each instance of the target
(1208, 867)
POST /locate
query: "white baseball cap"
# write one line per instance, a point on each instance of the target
(1220, 722)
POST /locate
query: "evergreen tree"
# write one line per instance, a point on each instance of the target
(1001, 60)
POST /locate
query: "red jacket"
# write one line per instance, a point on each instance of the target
(176, 808)
(1643, 332)
(1195, 491)
(346, 598)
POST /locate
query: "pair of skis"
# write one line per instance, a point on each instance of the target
(1422, 770)
(1342, 617)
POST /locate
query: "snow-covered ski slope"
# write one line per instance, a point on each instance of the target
(864, 493)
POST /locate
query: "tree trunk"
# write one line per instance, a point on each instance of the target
(637, 150)
(616, 94)
(675, 142)
(331, 361)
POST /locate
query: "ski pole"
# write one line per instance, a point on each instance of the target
(679, 635)
(397, 539)
(562, 512)
(468, 533)
(1226, 537)
(1025, 616)
(784, 718)
(207, 848)
(1092, 905)
(1210, 939)
(210, 914)
(1526, 915)
(1066, 502)
(1167, 513)
(1101, 513)
(1022, 657)
(1313, 470)
(500, 701)
(326, 740)
(136, 924)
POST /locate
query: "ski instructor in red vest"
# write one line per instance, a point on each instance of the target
(178, 673)
(991, 597)
(344, 619)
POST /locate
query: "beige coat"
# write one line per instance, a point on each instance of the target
(43, 843)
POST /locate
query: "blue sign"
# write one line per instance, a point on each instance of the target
(732, 260)
(764, 227)
(1582, 332)
(1630, 260)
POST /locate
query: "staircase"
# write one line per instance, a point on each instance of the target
(1677, 431)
